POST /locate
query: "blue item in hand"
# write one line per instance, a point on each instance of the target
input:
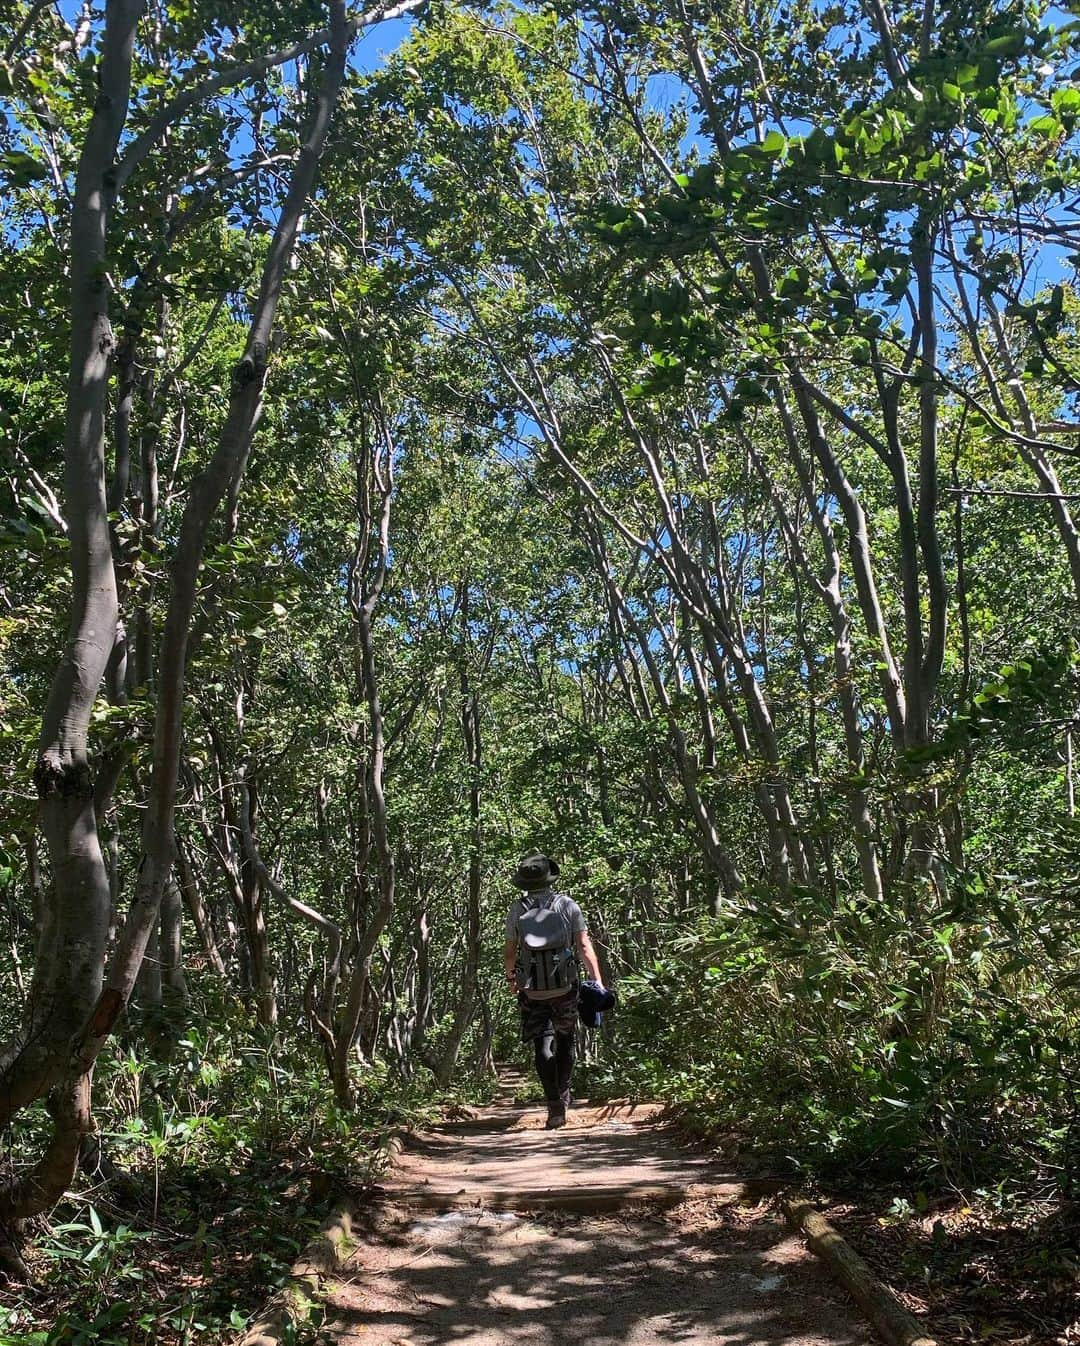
(593, 1000)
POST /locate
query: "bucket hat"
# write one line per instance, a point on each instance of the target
(535, 871)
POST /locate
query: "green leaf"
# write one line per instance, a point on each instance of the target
(21, 168)
(1008, 44)
(1066, 102)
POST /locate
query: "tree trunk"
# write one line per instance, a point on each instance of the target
(423, 1005)
(71, 952)
(321, 1009)
(63, 771)
(171, 945)
(470, 728)
(374, 477)
(200, 917)
(207, 492)
(147, 992)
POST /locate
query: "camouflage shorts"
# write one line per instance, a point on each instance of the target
(540, 1017)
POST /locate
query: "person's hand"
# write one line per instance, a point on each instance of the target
(511, 983)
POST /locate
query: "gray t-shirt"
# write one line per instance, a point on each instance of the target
(564, 907)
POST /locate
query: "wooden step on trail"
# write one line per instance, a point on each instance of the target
(496, 1232)
(605, 1158)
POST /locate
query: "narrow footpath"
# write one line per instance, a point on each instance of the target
(493, 1230)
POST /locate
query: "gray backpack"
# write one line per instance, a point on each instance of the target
(549, 962)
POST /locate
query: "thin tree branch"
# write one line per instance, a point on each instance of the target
(244, 73)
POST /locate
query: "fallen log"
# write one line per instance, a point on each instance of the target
(299, 1302)
(895, 1323)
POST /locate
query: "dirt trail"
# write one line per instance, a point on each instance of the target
(605, 1233)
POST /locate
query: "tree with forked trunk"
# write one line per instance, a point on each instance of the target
(72, 1006)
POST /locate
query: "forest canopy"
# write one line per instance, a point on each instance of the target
(645, 432)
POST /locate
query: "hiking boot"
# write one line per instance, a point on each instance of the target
(556, 1117)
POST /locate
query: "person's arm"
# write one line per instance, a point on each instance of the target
(588, 955)
(510, 963)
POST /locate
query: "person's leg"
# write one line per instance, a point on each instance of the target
(564, 1065)
(546, 1065)
(564, 1025)
(564, 1016)
(537, 1027)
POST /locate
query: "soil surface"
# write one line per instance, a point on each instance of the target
(496, 1231)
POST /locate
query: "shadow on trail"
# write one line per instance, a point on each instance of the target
(478, 1278)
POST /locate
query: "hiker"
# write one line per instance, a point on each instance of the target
(545, 932)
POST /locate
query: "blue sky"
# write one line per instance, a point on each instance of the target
(378, 42)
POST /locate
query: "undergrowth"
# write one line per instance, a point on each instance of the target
(216, 1165)
(936, 1056)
